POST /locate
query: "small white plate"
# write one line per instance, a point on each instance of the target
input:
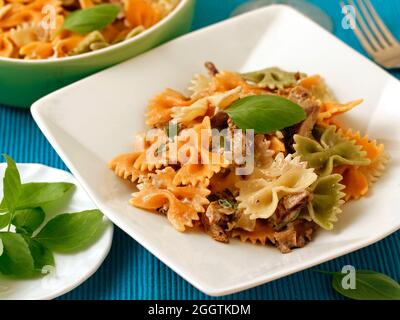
(71, 269)
(91, 121)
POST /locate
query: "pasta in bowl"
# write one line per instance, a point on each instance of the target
(260, 156)
(46, 44)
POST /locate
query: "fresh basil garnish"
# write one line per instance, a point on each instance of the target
(11, 186)
(26, 221)
(90, 19)
(16, 259)
(37, 194)
(265, 113)
(24, 254)
(72, 232)
(369, 285)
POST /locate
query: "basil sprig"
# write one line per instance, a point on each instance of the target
(25, 252)
(90, 19)
(265, 113)
(369, 285)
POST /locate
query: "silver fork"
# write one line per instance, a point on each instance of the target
(374, 36)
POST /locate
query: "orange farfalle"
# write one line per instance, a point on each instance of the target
(64, 46)
(123, 166)
(37, 50)
(330, 110)
(261, 233)
(195, 195)
(196, 173)
(19, 17)
(180, 215)
(141, 12)
(311, 82)
(86, 3)
(182, 203)
(375, 152)
(227, 80)
(6, 46)
(159, 109)
(355, 182)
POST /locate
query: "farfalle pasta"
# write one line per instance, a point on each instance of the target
(201, 164)
(35, 29)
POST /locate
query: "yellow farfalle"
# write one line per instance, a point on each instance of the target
(260, 193)
(186, 114)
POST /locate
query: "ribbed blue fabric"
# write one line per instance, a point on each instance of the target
(131, 272)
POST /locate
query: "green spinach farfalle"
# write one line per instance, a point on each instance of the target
(327, 198)
(273, 78)
(327, 149)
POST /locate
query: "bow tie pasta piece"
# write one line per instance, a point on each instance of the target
(123, 166)
(164, 179)
(159, 109)
(198, 86)
(180, 215)
(329, 110)
(259, 195)
(326, 201)
(318, 88)
(262, 233)
(274, 78)
(196, 173)
(185, 115)
(329, 150)
(227, 80)
(181, 204)
(355, 182)
(141, 13)
(6, 46)
(357, 179)
(375, 153)
(37, 50)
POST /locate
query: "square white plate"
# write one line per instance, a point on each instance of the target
(91, 121)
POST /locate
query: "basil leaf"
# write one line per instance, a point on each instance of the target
(16, 259)
(370, 285)
(37, 194)
(28, 220)
(72, 232)
(11, 185)
(90, 19)
(265, 113)
(41, 255)
(4, 220)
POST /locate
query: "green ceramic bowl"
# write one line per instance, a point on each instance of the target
(24, 81)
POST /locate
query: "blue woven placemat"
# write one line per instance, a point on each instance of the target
(131, 272)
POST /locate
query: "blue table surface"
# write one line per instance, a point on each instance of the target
(131, 272)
